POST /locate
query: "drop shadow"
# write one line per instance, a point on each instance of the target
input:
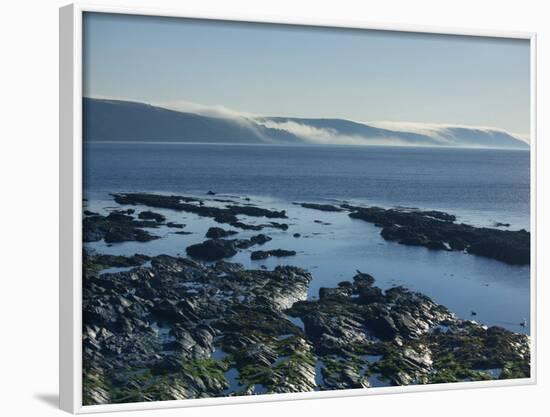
(49, 399)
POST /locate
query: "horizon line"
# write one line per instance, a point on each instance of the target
(302, 145)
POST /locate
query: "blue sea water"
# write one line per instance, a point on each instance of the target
(480, 186)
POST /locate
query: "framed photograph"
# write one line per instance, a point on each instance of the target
(258, 210)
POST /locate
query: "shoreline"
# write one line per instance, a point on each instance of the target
(169, 307)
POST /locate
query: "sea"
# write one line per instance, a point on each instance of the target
(482, 187)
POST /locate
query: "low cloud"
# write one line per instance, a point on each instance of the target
(374, 133)
(445, 133)
(216, 110)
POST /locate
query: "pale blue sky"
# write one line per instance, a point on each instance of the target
(279, 70)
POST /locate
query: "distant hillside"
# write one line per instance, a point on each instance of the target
(116, 120)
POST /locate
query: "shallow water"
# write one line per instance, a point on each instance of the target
(334, 250)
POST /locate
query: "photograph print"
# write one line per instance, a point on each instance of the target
(274, 208)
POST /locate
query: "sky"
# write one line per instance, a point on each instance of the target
(281, 70)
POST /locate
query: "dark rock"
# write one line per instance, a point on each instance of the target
(149, 215)
(260, 239)
(218, 232)
(115, 227)
(119, 261)
(282, 226)
(175, 225)
(513, 248)
(212, 250)
(244, 226)
(296, 235)
(127, 211)
(260, 254)
(216, 249)
(90, 213)
(193, 205)
(150, 333)
(363, 280)
(146, 336)
(437, 230)
(321, 207)
(119, 234)
(257, 212)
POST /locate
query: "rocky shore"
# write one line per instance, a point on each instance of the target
(439, 231)
(177, 329)
(169, 327)
(435, 230)
(228, 214)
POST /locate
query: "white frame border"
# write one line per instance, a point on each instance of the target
(70, 212)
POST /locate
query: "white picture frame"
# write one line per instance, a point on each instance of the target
(70, 152)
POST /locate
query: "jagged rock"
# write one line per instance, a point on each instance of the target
(150, 333)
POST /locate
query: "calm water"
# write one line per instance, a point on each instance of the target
(479, 186)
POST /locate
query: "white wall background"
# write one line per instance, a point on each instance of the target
(29, 195)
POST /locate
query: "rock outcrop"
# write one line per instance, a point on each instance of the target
(439, 231)
(176, 329)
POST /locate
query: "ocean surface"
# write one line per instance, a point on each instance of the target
(481, 187)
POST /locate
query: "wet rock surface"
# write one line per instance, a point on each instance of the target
(218, 232)
(116, 227)
(216, 249)
(439, 231)
(321, 207)
(178, 329)
(174, 328)
(150, 215)
(227, 214)
(364, 337)
(278, 253)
